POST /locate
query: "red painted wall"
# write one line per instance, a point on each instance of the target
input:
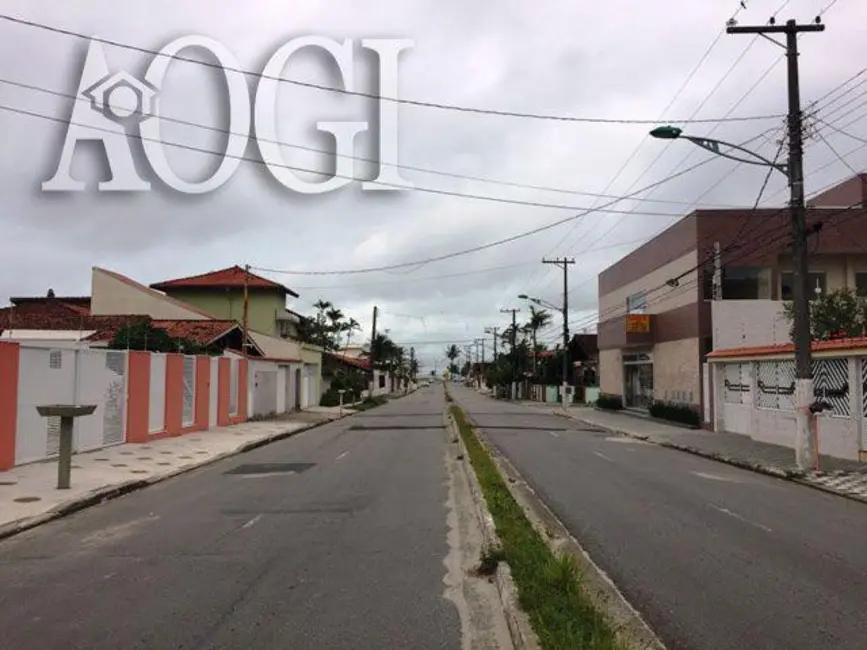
(8, 403)
(138, 397)
(174, 394)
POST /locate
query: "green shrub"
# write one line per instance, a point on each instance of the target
(609, 402)
(681, 413)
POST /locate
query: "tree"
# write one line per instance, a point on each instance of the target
(350, 327)
(539, 319)
(142, 335)
(452, 353)
(836, 314)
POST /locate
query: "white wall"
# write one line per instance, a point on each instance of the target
(214, 391)
(70, 377)
(748, 323)
(768, 418)
(157, 402)
(112, 294)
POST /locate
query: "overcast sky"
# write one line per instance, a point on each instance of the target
(620, 59)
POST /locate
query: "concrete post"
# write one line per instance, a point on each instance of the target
(67, 415)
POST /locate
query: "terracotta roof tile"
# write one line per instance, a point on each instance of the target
(363, 364)
(202, 332)
(855, 343)
(232, 277)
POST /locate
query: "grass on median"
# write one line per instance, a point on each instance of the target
(369, 403)
(549, 586)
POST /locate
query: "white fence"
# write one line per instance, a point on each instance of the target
(69, 376)
(756, 398)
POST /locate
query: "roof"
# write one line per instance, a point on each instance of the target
(129, 282)
(274, 349)
(356, 362)
(201, 332)
(835, 345)
(229, 278)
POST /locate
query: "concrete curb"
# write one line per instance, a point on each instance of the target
(794, 476)
(110, 492)
(520, 629)
(633, 632)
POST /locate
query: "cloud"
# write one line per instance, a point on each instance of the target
(618, 59)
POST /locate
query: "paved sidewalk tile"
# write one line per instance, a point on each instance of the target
(838, 475)
(29, 493)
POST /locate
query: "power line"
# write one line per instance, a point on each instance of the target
(635, 151)
(459, 274)
(424, 170)
(343, 91)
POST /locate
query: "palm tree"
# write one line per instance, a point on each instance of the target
(334, 316)
(539, 318)
(349, 327)
(322, 306)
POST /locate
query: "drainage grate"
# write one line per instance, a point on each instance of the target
(271, 468)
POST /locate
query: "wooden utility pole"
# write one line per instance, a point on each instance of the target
(513, 311)
(244, 344)
(372, 354)
(804, 396)
(564, 264)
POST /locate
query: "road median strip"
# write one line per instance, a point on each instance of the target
(550, 585)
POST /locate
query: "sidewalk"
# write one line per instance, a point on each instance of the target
(29, 494)
(843, 477)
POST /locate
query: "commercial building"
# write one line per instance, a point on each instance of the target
(717, 279)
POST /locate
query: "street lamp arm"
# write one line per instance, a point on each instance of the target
(754, 159)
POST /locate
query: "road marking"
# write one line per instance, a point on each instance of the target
(740, 518)
(343, 455)
(252, 522)
(601, 455)
(554, 433)
(716, 477)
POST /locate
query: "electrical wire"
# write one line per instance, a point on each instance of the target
(427, 190)
(343, 91)
(424, 170)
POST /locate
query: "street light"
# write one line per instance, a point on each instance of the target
(709, 144)
(794, 173)
(563, 310)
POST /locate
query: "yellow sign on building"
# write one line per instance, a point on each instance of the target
(638, 323)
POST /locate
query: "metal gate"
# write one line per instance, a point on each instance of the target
(115, 399)
(189, 414)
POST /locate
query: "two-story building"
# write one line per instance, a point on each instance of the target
(717, 279)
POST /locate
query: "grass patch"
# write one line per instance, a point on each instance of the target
(549, 586)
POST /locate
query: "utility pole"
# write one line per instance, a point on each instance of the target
(564, 262)
(411, 363)
(495, 332)
(513, 311)
(372, 355)
(804, 396)
(246, 308)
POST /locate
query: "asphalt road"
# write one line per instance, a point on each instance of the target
(345, 554)
(714, 557)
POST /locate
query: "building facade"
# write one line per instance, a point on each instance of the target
(221, 293)
(717, 278)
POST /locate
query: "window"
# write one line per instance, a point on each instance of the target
(636, 303)
(861, 284)
(746, 283)
(787, 283)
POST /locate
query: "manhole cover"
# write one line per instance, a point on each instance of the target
(26, 499)
(270, 468)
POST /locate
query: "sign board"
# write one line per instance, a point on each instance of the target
(638, 323)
